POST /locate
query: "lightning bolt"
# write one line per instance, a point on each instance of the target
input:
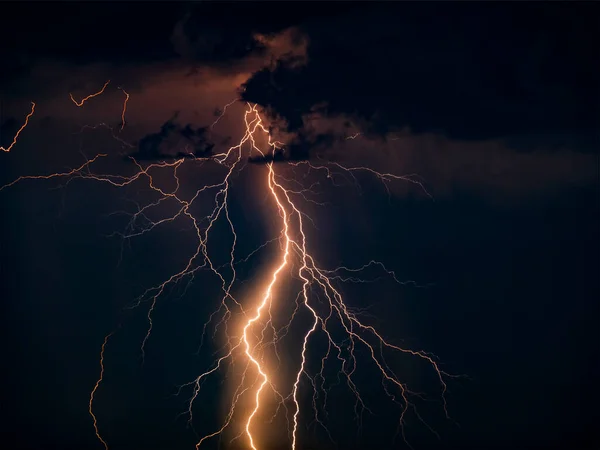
(96, 386)
(222, 113)
(124, 107)
(256, 338)
(85, 99)
(14, 141)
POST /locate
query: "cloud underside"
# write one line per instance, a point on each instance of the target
(509, 113)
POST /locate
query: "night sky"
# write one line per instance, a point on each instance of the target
(494, 105)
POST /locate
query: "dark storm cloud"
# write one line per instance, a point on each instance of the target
(146, 49)
(84, 33)
(139, 32)
(204, 41)
(468, 71)
(173, 141)
(502, 77)
(111, 38)
(221, 32)
(299, 146)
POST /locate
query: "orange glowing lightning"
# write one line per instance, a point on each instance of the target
(93, 393)
(8, 149)
(255, 341)
(311, 276)
(124, 107)
(85, 99)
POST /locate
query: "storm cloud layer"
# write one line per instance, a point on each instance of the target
(488, 82)
(469, 71)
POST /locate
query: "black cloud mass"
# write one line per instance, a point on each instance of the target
(470, 71)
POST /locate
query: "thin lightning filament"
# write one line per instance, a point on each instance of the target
(85, 99)
(253, 342)
(14, 141)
